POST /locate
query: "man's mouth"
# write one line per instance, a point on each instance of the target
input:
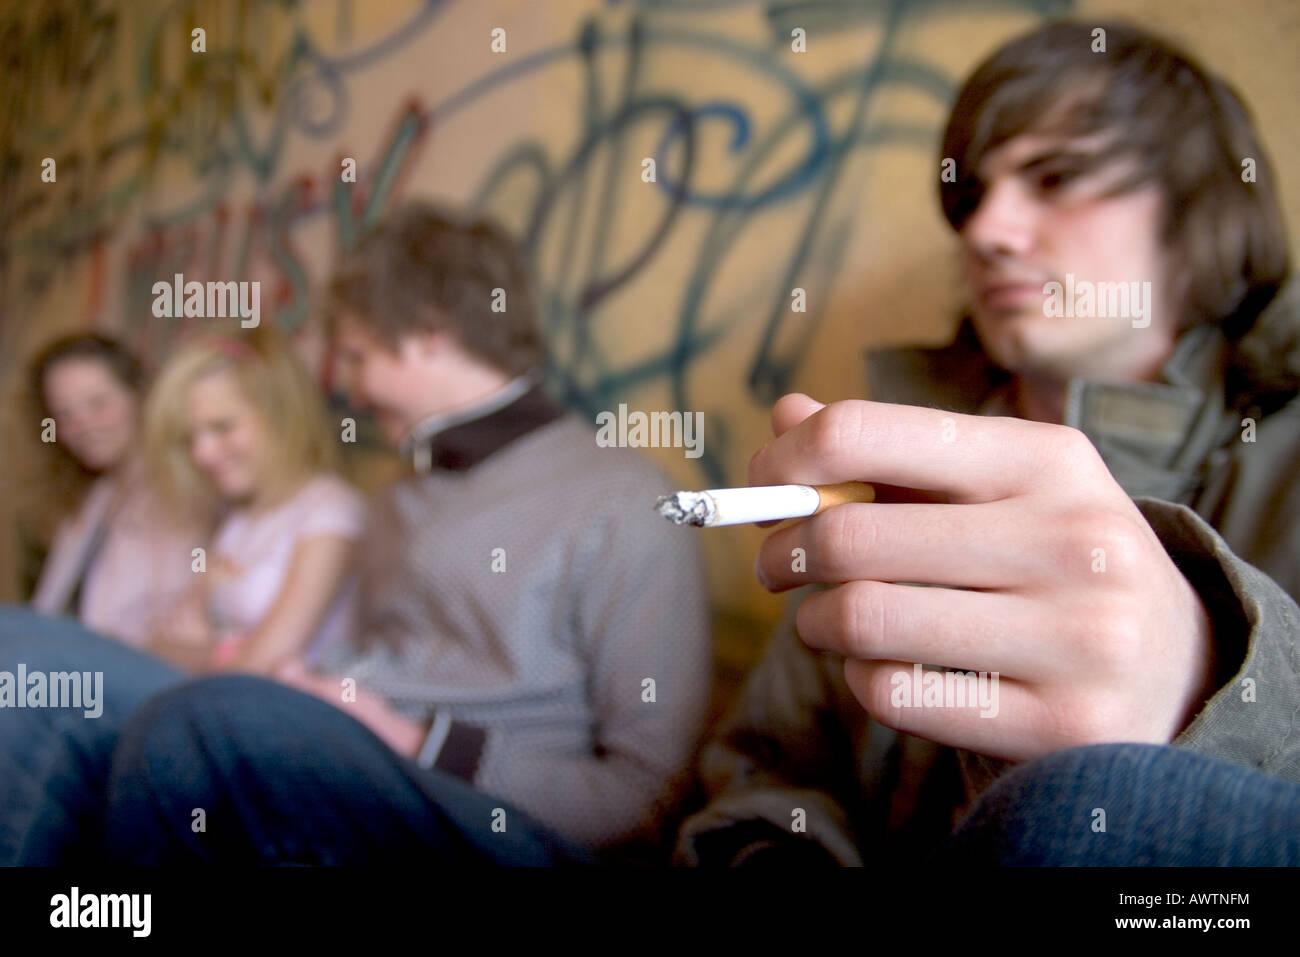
(1008, 291)
(1011, 294)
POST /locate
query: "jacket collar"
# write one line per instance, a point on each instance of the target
(458, 441)
(1153, 436)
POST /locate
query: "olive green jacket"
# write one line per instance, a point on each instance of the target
(1216, 446)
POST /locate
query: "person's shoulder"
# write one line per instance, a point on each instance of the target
(331, 488)
(584, 454)
(330, 494)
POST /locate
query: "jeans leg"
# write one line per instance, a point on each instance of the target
(54, 761)
(1132, 805)
(281, 777)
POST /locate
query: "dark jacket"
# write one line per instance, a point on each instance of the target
(796, 738)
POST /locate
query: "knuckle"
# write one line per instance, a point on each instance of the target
(1119, 536)
(1115, 634)
(1071, 454)
(1087, 533)
(834, 428)
(867, 617)
(843, 533)
(1073, 449)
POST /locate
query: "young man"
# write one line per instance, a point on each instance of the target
(1136, 183)
(519, 605)
(1078, 168)
(532, 643)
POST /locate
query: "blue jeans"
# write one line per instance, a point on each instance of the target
(235, 769)
(54, 762)
(240, 770)
(1158, 806)
(281, 777)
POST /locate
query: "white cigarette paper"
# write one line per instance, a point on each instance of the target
(766, 503)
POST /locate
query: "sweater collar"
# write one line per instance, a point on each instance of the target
(458, 441)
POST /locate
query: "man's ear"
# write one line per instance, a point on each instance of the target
(427, 344)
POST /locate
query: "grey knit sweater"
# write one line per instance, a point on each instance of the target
(525, 587)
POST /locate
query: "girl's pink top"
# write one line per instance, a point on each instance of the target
(252, 554)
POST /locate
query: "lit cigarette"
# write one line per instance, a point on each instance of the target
(766, 503)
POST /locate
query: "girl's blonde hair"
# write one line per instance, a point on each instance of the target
(273, 380)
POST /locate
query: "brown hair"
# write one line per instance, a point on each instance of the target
(271, 377)
(1186, 129)
(58, 480)
(427, 268)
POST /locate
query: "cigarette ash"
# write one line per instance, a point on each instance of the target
(686, 508)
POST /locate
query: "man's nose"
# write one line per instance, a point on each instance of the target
(1003, 224)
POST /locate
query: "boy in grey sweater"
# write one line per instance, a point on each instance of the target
(545, 634)
(521, 624)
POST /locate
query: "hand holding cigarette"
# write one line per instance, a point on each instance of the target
(1085, 656)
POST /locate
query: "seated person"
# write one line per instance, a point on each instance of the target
(236, 433)
(113, 563)
(1116, 166)
(531, 639)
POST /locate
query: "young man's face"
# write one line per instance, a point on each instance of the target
(394, 385)
(1044, 215)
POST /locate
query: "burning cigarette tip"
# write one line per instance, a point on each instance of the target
(685, 508)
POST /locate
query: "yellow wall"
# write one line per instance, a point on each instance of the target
(812, 169)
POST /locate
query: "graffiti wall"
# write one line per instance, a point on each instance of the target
(723, 200)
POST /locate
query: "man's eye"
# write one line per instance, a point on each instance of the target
(1055, 179)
